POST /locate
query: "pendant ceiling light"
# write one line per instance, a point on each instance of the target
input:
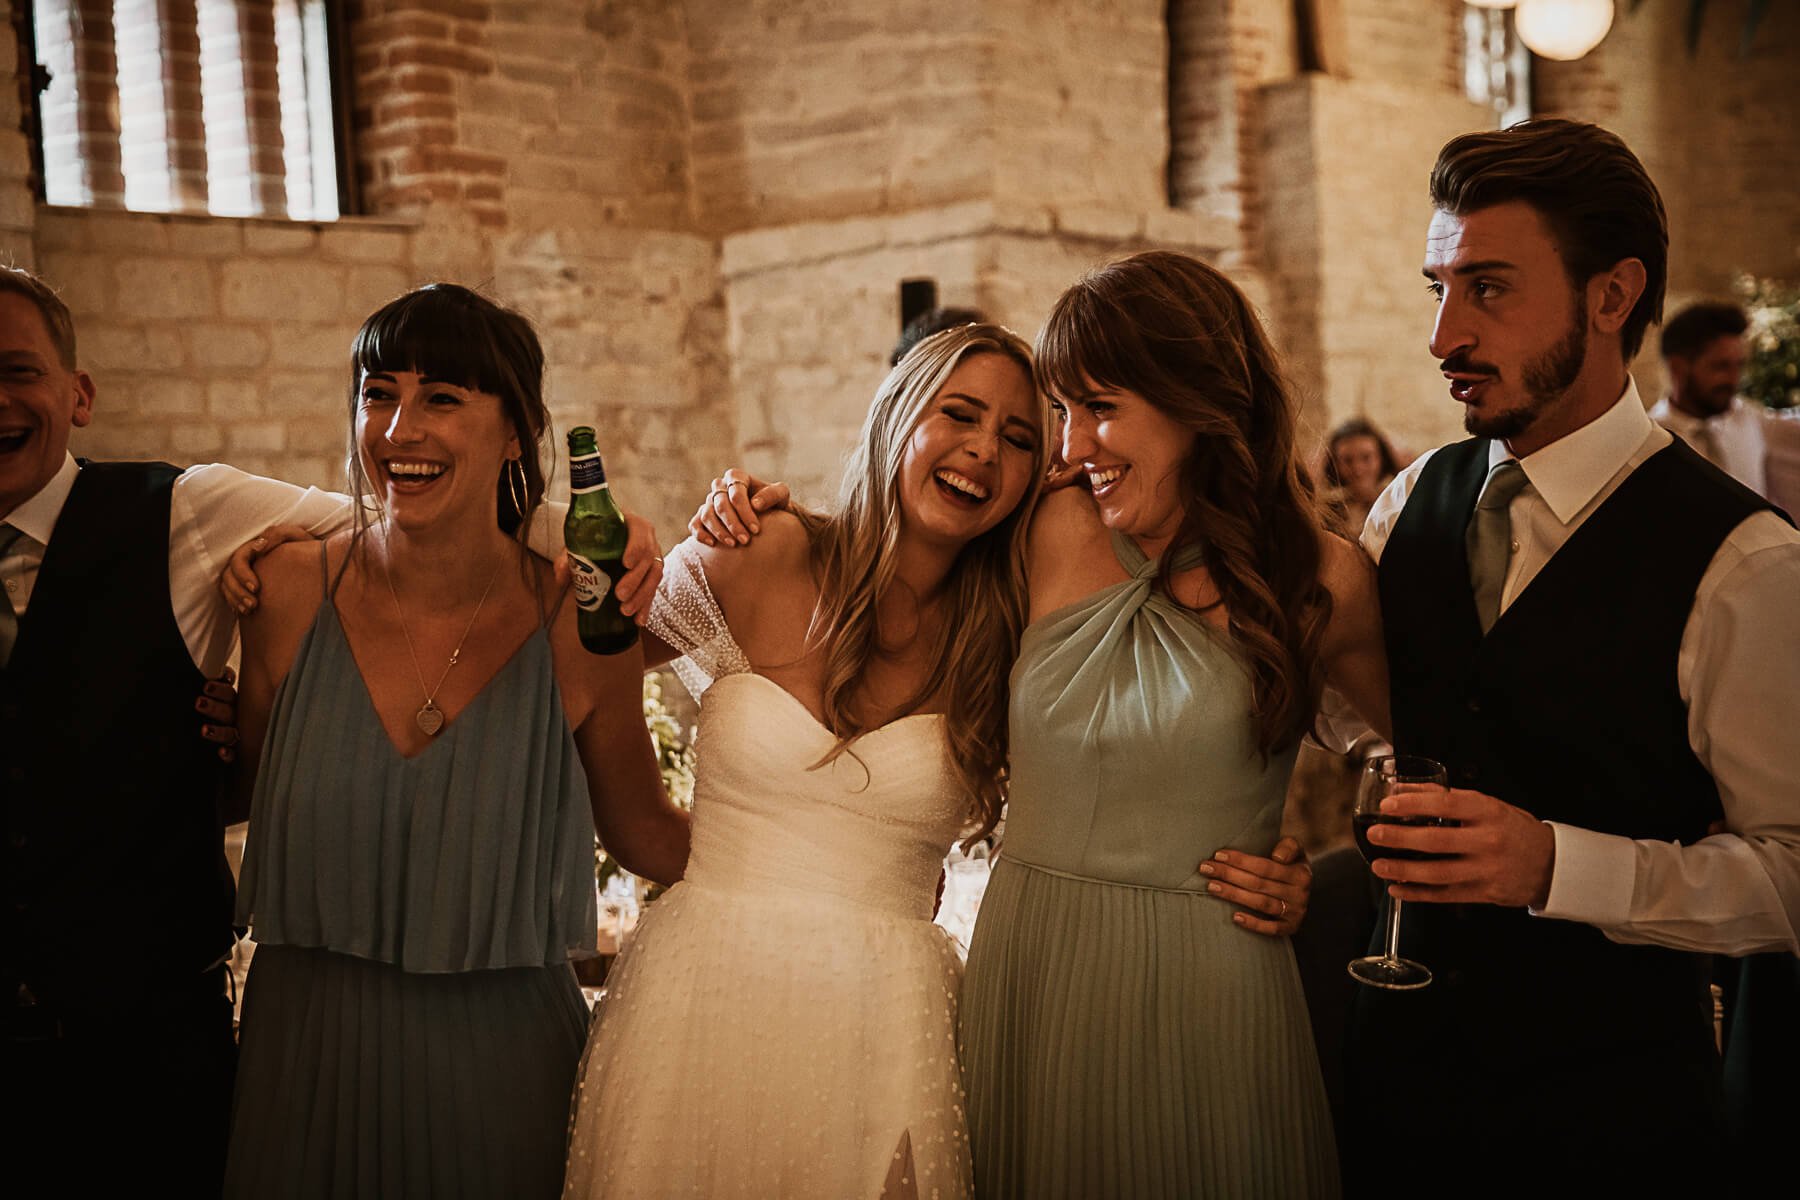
(1562, 29)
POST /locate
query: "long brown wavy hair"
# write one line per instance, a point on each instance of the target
(1175, 331)
(855, 551)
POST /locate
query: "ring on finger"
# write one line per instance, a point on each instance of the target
(1283, 909)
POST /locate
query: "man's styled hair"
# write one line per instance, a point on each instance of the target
(57, 320)
(1697, 326)
(1588, 187)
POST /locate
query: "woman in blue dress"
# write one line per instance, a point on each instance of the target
(436, 752)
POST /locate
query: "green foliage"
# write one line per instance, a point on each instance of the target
(1772, 377)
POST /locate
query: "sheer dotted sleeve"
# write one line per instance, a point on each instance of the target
(685, 615)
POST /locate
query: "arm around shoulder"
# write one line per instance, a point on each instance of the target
(740, 578)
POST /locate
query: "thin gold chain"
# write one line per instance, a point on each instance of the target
(387, 574)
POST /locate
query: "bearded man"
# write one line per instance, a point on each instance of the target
(1592, 628)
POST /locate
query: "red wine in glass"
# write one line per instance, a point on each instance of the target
(1384, 776)
(1361, 823)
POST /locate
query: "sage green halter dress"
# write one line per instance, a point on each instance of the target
(1121, 1036)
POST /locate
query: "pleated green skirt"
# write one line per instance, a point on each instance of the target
(1133, 1042)
(358, 1079)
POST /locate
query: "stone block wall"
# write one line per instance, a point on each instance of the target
(1717, 132)
(812, 309)
(708, 206)
(1081, 104)
(531, 114)
(1353, 311)
(220, 339)
(816, 110)
(225, 339)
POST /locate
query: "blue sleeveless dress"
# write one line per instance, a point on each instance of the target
(1121, 1036)
(411, 1024)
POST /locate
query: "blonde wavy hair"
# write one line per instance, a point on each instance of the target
(854, 554)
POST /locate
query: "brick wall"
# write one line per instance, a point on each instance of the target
(816, 109)
(1079, 127)
(1717, 132)
(525, 115)
(220, 339)
(227, 339)
(1413, 44)
(1347, 165)
(18, 209)
(708, 206)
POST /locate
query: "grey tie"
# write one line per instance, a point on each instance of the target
(1489, 539)
(1703, 439)
(9, 620)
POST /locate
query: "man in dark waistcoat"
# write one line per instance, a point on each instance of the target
(116, 1046)
(1596, 632)
(117, 1039)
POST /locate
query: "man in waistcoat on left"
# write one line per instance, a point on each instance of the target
(117, 1041)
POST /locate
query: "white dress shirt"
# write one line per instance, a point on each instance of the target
(1733, 441)
(214, 510)
(1738, 671)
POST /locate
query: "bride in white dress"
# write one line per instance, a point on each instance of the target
(783, 1023)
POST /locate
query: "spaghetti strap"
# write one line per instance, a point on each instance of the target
(333, 581)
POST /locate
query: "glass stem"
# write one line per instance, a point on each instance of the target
(1393, 930)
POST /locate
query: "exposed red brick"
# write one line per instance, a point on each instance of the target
(434, 54)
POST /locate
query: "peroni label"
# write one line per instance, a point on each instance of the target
(591, 583)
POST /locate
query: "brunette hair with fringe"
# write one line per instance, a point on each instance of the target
(855, 552)
(1177, 332)
(448, 332)
(1590, 189)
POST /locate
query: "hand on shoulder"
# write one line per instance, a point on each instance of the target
(740, 576)
(292, 580)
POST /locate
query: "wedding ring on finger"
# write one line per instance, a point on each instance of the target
(1283, 908)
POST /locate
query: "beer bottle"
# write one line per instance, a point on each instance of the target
(594, 537)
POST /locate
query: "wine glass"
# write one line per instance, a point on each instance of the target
(1384, 776)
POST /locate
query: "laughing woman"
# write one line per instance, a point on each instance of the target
(436, 751)
(1121, 1036)
(783, 1023)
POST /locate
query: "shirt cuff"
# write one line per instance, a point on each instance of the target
(1593, 878)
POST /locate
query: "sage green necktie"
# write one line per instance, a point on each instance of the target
(9, 619)
(1489, 538)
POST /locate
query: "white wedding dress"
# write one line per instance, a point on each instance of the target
(783, 1022)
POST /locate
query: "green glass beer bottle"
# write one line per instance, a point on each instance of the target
(594, 537)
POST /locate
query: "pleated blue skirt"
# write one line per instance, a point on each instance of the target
(358, 1079)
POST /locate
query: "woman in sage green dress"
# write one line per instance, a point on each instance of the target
(1121, 1034)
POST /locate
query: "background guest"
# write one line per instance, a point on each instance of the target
(1359, 463)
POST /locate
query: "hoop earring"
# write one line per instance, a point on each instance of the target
(518, 485)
